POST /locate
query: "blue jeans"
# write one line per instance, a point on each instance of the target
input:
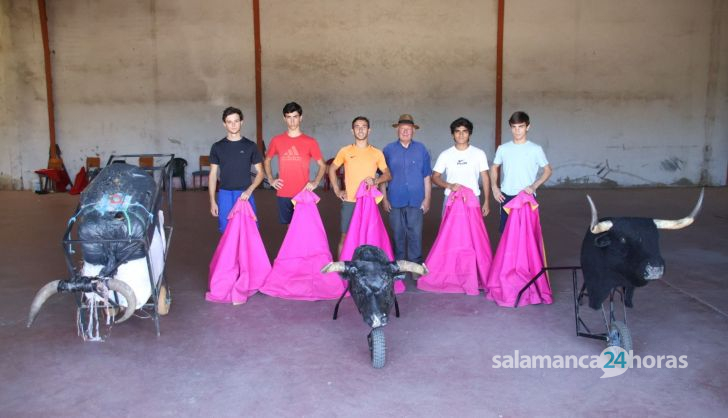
(225, 201)
(406, 224)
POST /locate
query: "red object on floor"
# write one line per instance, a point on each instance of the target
(50, 177)
(80, 182)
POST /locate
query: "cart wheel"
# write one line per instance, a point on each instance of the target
(377, 347)
(619, 335)
(164, 300)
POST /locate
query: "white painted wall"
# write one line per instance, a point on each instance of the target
(625, 92)
(380, 59)
(144, 76)
(24, 140)
(641, 86)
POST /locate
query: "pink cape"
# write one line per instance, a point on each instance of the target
(240, 263)
(519, 257)
(305, 250)
(460, 258)
(366, 227)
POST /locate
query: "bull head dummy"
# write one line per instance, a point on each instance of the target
(112, 218)
(371, 277)
(624, 252)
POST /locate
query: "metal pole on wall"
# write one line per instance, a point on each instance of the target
(54, 161)
(499, 75)
(258, 77)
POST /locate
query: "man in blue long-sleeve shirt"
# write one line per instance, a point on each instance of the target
(407, 194)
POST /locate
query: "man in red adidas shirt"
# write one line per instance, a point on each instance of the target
(294, 150)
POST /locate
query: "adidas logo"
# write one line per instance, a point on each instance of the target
(292, 152)
(291, 155)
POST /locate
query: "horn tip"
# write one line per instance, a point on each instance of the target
(334, 267)
(327, 267)
(699, 205)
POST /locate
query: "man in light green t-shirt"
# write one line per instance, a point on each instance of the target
(521, 161)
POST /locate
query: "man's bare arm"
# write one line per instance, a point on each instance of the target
(319, 175)
(485, 179)
(211, 186)
(256, 182)
(547, 171)
(497, 195)
(341, 194)
(275, 183)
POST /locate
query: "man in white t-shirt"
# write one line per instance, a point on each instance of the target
(462, 165)
(521, 161)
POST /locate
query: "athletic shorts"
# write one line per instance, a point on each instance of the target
(347, 209)
(225, 201)
(285, 210)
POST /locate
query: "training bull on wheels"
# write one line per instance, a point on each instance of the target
(620, 254)
(371, 276)
(122, 227)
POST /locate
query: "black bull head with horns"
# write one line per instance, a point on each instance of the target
(624, 252)
(371, 277)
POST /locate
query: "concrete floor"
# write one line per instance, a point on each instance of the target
(274, 357)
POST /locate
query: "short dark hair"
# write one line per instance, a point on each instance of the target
(229, 111)
(292, 107)
(364, 118)
(461, 122)
(519, 117)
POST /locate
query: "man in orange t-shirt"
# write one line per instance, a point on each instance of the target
(361, 162)
(295, 150)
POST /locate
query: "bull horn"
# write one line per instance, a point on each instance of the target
(681, 223)
(411, 267)
(50, 289)
(597, 227)
(128, 293)
(334, 267)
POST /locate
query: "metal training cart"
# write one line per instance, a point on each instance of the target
(617, 333)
